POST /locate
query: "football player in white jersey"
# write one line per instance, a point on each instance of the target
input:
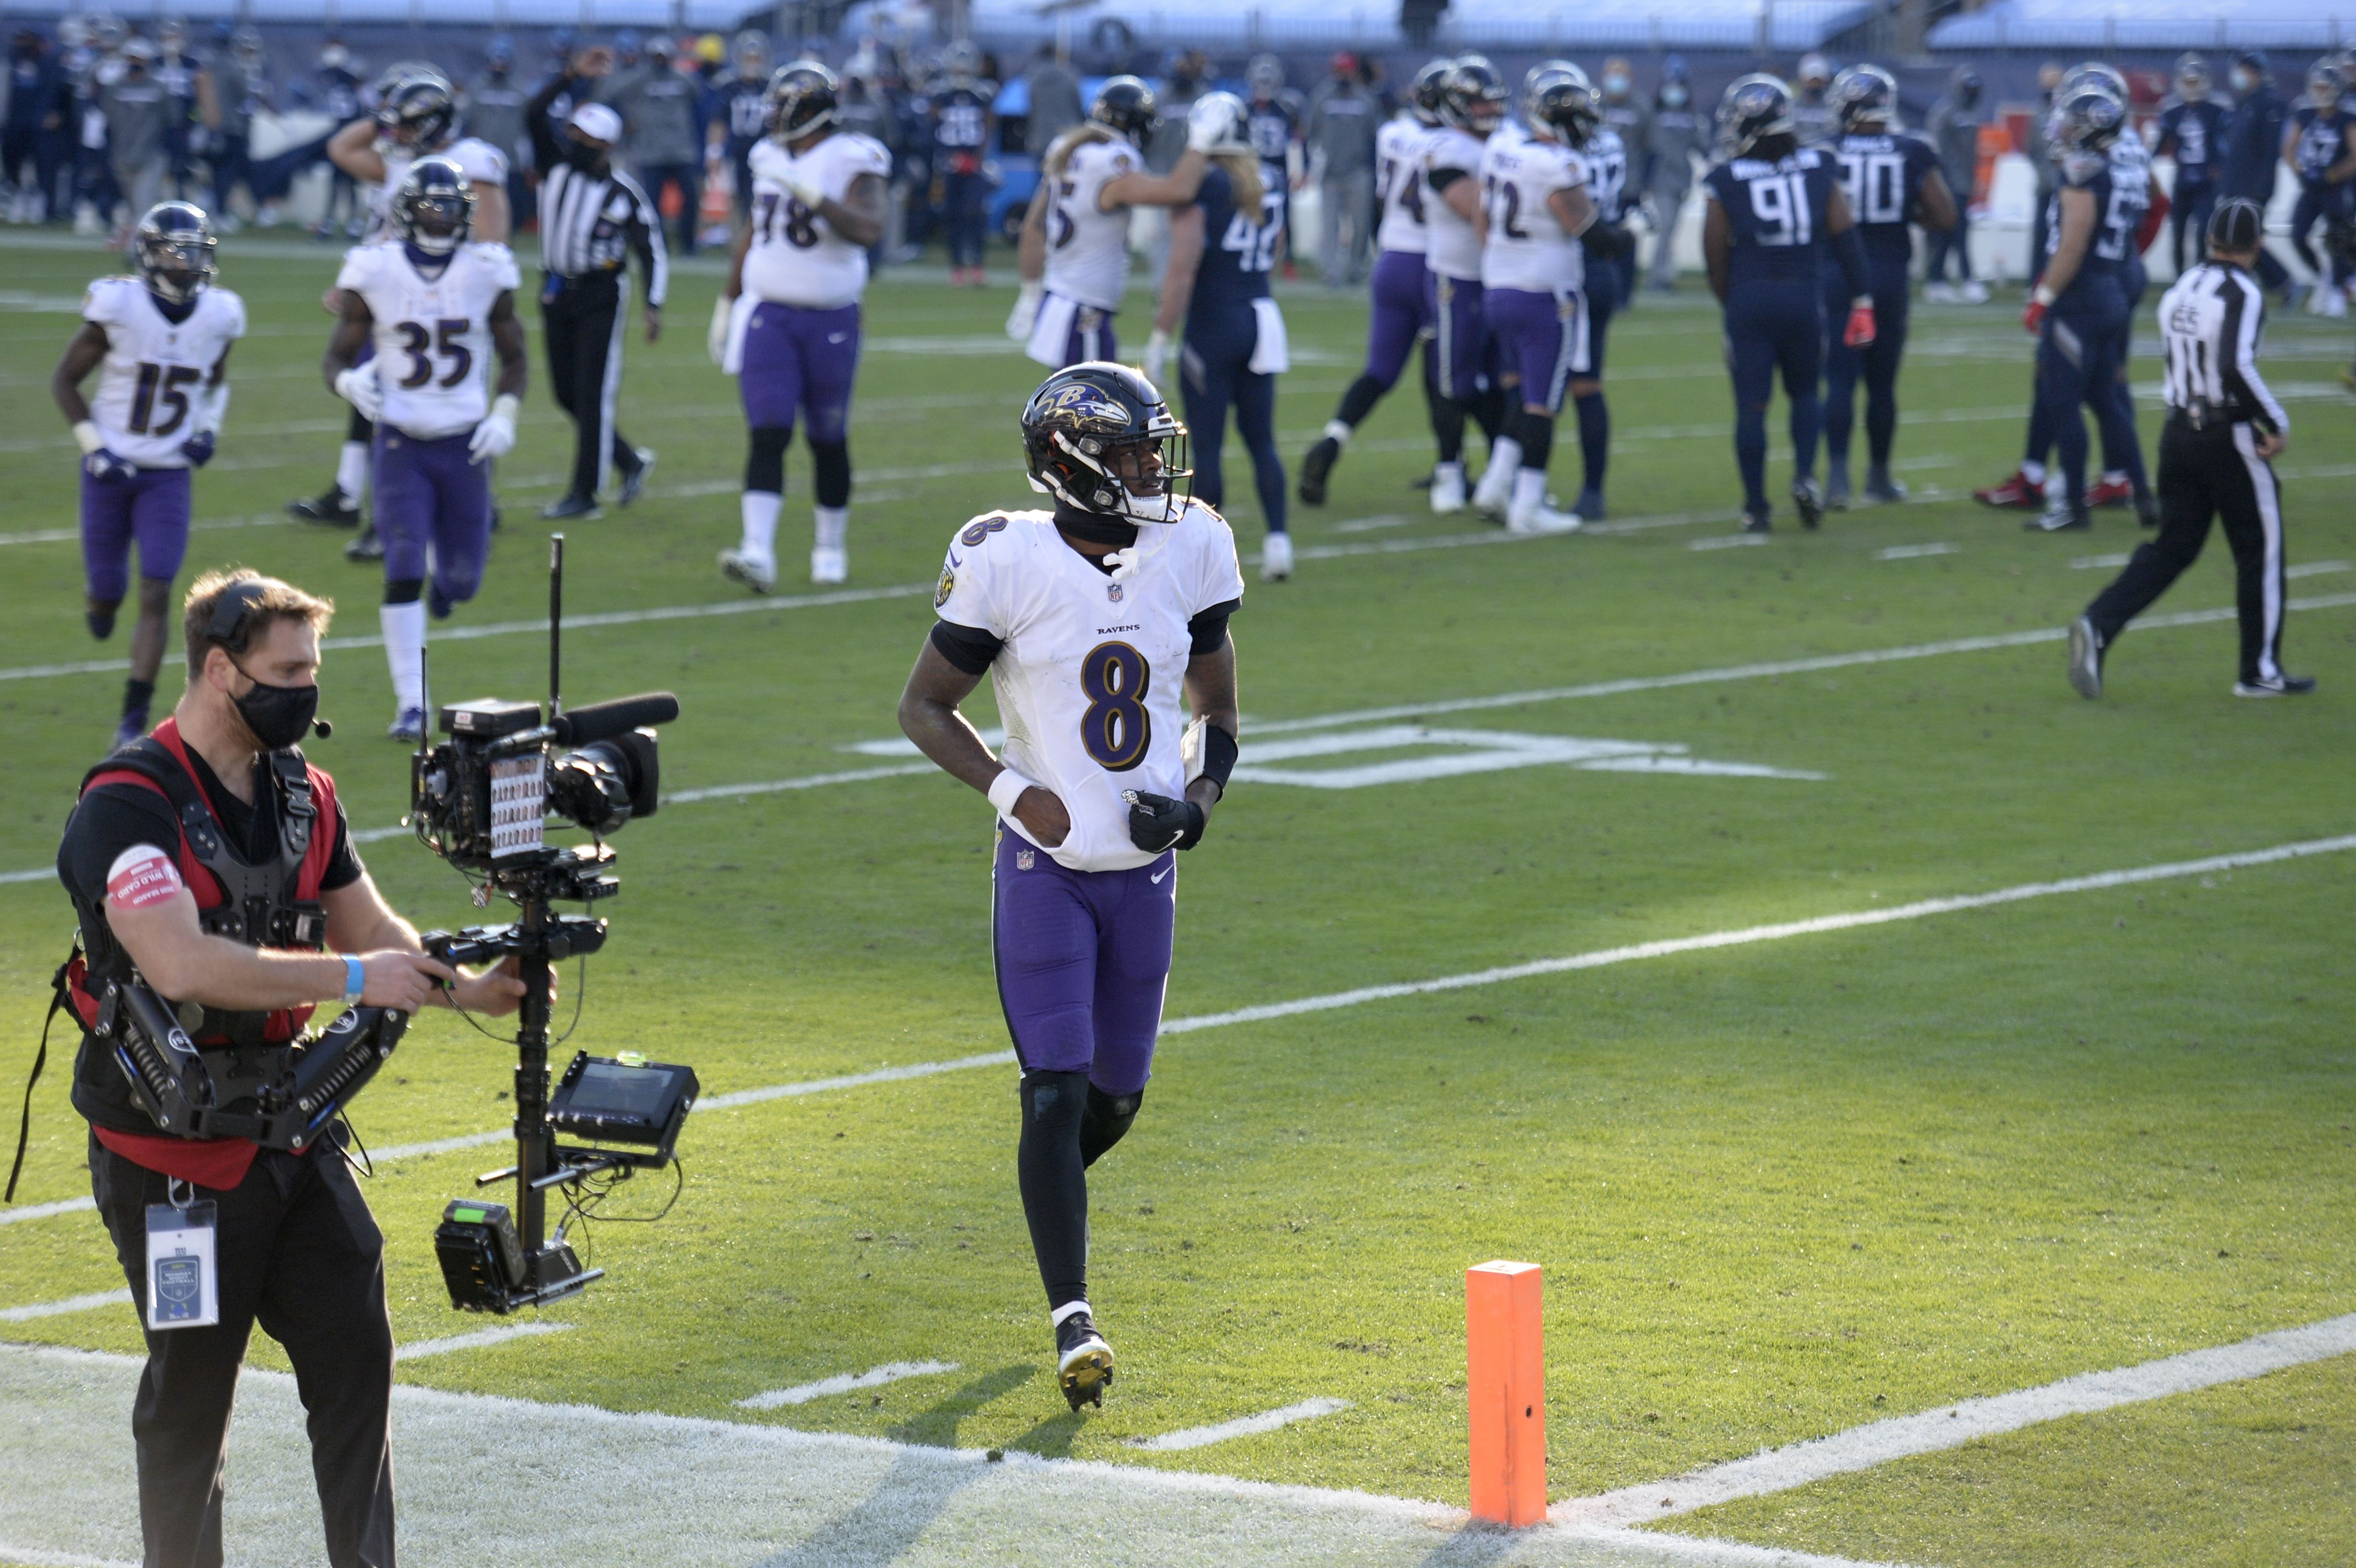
(416, 115)
(787, 324)
(162, 338)
(1473, 103)
(1074, 254)
(437, 306)
(1401, 313)
(1532, 283)
(1090, 619)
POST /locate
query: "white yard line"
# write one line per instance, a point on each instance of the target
(1953, 1425)
(1242, 1427)
(845, 1382)
(1729, 541)
(90, 1303)
(478, 1340)
(1916, 552)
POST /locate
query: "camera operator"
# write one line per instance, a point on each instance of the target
(210, 860)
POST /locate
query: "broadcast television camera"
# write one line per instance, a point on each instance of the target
(481, 799)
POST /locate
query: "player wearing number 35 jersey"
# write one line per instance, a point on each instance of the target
(438, 307)
(1090, 619)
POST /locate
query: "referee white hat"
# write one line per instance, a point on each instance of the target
(598, 122)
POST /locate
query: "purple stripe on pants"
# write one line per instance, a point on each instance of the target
(1082, 959)
(1461, 339)
(152, 507)
(1401, 310)
(1091, 336)
(800, 359)
(1542, 339)
(429, 494)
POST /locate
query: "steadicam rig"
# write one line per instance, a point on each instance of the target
(482, 800)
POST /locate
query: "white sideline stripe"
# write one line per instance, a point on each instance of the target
(34, 1558)
(1953, 1425)
(1916, 552)
(1242, 1427)
(70, 1304)
(1333, 1000)
(1729, 541)
(807, 780)
(46, 1210)
(844, 1382)
(475, 1340)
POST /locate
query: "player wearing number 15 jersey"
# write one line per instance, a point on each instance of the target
(1090, 619)
(786, 324)
(437, 306)
(160, 343)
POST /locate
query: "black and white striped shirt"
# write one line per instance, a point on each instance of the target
(592, 223)
(2210, 326)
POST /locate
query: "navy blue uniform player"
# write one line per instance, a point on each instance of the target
(740, 113)
(1774, 210)
(1611, 273)
(1222, 249)
(1272, 125)
(1891, 180)
(2080, 308)
(2192, 131)
(961, 125)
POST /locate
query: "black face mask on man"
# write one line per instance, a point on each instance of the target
(278, 715)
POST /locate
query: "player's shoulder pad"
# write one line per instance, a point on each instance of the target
(228, 304)
(765, 155)
(983, 529)
(362, 263)
(102, 302)
(862, 153)
(1807, 158)
(498, 261)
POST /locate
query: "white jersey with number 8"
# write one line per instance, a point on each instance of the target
(154, 369)
(433, 348)
(1091, 677)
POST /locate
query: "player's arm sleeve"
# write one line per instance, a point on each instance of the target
(1440, 178)
(99, 303)
(647, 240)
(504, 271)
(1206, 629)
(344, 864)
(491, 166)
(236, 317)
(355, 271)
(970, 629)
(1220, 584)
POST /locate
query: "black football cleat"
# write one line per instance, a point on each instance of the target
(367, 546)
(99, 622)
(1758, 522)
(2280, 686)
(567, 507)
(1083, 1361)
(1316, 464)
(331, 507)
(634, 480)
(2086, 652)
(2059, 517)
(1808, 500)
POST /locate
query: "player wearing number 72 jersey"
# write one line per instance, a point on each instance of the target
(437, 308)
(1090, 619)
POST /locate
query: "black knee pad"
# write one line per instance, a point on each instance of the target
(765, 460)
(1106, 1121)
(359, 427)
(831, 472)
(408, 590)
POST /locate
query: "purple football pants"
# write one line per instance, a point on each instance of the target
(1081, 957)
(1461, 347)
(1401, 309)
(800, 359)
(1542, 339)
(151, 509)
(430, 495)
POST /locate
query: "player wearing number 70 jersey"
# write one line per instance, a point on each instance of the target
(163, 339)
(437, 308)
(1090, 619)
(787, 324)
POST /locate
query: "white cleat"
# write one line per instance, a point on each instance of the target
(1538, 518)
(829, 564)
(1276, 558)
(757, 575)
(1448, 491)
(1493, 496)
(1973, 292)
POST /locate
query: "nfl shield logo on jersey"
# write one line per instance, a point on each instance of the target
(1112, 592)
(1024, 860)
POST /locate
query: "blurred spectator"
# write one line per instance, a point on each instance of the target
(492, 109)
(1677, 135)
(337, 95)
(187, 133)
(241, 90)
(26, 168)
(1953, 129)
(657, 107)
(1054, 101)
(138, 109)
(1812, 113)
(736, 113)
(1343, 119)
(1624, 112)
(2253, 152)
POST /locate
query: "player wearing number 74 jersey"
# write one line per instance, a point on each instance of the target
(438, 307)
(1090, 619)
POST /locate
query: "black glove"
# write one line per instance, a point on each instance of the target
(1157, 823)
(1608, 241)
(198, 449)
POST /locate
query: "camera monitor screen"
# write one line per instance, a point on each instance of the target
(608, 1089)
(625, 1102)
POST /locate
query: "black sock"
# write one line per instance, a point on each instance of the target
(1105, 1122)
(1536, 433)
(1594, 436)
(1054, 1182)
(408, 590)
(137, 694)
(1360, 401)
(765, 458)
(830, 473)
(1492, 410)
(1448, 426)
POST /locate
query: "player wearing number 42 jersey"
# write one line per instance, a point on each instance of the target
(160, 342)
(786, 323)
(1090, 619)
(438, 307)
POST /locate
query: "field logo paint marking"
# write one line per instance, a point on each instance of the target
(477, 1341)
(1458, 753)
(1242, 1427)
(845, 1382)
(1953, 1425)
(70, 1304)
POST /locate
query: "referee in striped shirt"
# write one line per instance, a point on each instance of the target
(593, 218)
(2225, 429)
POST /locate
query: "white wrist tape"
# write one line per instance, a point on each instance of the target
(213, 408)
(1006, 789)
(85, 434)
(505, 406)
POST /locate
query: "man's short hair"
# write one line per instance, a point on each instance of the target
(205, 625)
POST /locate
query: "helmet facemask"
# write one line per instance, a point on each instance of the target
(177, 266)
(1140, 479)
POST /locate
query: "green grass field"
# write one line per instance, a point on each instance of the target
(1780, 1190)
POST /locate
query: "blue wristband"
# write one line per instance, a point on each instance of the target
(355, 980)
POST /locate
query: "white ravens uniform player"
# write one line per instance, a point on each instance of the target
(484, 164)
(149, 385)
(1533, 272)
(1087, 257)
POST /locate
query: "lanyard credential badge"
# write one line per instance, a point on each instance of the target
(183, 1290)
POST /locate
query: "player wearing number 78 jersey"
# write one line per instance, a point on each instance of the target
(1090, 620)
(437, 308)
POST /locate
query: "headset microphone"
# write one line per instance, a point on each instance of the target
(322, 728)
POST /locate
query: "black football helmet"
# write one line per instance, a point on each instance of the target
(1865, 95)
(2086, 118)
(1560, 100)
(1754, 106)
(1099, 437)
(1125, 106)
(2097, 73)
(420, 112)
(1475, 96)
(1426, 96)
(434, 208)
(2324, 87)
(803, 97)
(175, 247)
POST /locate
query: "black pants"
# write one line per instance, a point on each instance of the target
(688, 177)
(299, 1253)
(584, 319)
(2205, 474)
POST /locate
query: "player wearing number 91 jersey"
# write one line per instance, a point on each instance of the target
(438, 308)
(1090, 619)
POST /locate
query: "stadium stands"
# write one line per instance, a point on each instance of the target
(2115, 24)
(1788, 25)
